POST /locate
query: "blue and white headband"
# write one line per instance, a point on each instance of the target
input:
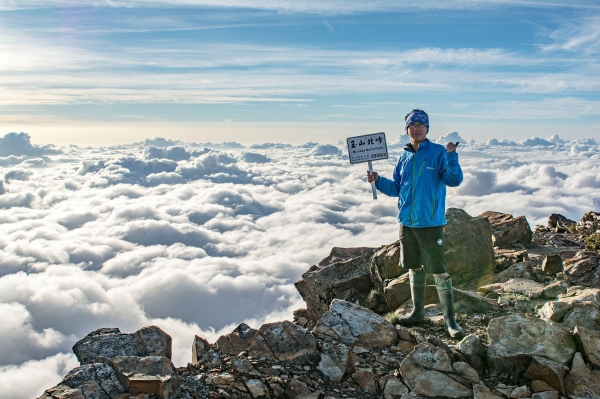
(417, 116)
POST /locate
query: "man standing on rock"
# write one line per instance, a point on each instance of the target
(419, 180)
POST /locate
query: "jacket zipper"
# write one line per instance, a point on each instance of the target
(422, 166)
(412, 191)
(433, 205)
(412, 206)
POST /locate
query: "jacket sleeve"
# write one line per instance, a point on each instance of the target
(389, 187)
(452, 174)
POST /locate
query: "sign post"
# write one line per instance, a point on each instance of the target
(373, 189)
(367, 148)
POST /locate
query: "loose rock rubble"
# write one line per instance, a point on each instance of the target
(532, 319)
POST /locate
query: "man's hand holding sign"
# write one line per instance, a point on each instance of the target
(367, 148)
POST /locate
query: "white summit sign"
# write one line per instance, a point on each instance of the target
(367, 148)
(370, 147)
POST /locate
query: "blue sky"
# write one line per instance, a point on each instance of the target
(106, 72)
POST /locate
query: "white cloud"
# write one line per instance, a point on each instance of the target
(495, 141)
(18, 144)
(175, 153)
(535, 141)
(253, 157)
(326, 149)
(20, 341)
(451, 137)
(30, 379)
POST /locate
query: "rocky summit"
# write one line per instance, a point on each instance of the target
(529, 302)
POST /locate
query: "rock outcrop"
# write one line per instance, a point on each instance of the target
(516, 339)
(468, 247)
(106, 343)
(508, 230)
(354, 325)
(533, 333)
(96, 380)
(375, 280)
(348, 280)
(118, 365)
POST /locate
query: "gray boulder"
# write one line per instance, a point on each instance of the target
(473, 350)
(521, 392)
(480, 391)
(397, 291)
(585, 314)
(237, 341)
(582, 382)
(507, 230)
(366, 379)
(200, 349)
(384, 265)
(97, 381)
(431, 383)
(353, 325)
(244, 367)
(155, 341)
(105, 343)
(583, 269)
(541, 386)
(508, 257)
(426, 355)
(338, 254)
(392, 387)
(554, 310)
(515, 339)
(297, 389)
(554, 289)
(549, 371)
(336, 360)
(147, 375)
(468, 248)
(282, 341)
(202, 353)
(525, 287)
(588, 341)
(559, 223)
(579, 307)
(581, 294)
(465, 370)
(257, 388)
(521, 270)
(347, 280)
(552, 264)
(545, 395)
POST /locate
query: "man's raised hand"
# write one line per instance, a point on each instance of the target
(451, 147)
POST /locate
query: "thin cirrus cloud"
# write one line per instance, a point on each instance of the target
(84, 70)
(310, 6)
(582, 37)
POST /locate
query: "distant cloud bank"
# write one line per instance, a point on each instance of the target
(197, 238)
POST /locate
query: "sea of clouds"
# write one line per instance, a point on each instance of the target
(199, 237)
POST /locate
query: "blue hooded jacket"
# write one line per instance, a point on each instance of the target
(419, 181)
